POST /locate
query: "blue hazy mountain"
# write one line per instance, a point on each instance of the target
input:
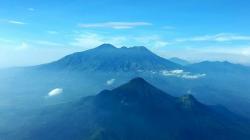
(135, 111)
(86, 73)
(218, 66)
(179, 61)
(80, 73)
(106, 57)
(225, 82)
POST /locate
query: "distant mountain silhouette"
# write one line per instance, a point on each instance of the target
(135, 111)
(106, 57)
(179, 61)
(225, 83)
(218, 66)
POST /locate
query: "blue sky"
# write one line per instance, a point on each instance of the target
(39, 31)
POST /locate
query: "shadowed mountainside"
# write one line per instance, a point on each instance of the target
(137, 110)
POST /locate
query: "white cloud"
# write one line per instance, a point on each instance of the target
(177, 71)
(91, 40)
(21, 52)
(31, 9)
(8, 21)
(3, 40)
(47, 43)
(233, 50)
(115, 25)
(233, 53)
(110, 82)
(16, 22)
(221, 37)
(23, 46)
(55, 92)
(20, 45)
(195, 76)
(181, 74)
(153, 41)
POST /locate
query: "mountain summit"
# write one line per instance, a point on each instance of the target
(136, 91)
(107, 57)
(106, 46)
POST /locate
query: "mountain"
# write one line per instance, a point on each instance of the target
(225, 83)
(106, 57)
(133, 111)
(80, 74)
(86, 73)
(218, 66)
(179, 61)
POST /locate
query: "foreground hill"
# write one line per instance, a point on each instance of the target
(133, 111)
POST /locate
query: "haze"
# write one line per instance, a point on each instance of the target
(193, 30)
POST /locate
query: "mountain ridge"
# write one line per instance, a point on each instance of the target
(112, 114)
(179, 61)
(104, 56)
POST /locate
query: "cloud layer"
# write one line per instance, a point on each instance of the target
(16, 22)
(110, 82)
(88, 40)
(115, 25)
(221, 37)
(55, 92)
(182, 74)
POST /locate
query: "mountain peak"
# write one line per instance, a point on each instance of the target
(138, 80)
(106, 46)
(139, 86)
(136, 84)
(140, 47)
(136, 91)
(107, 57)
